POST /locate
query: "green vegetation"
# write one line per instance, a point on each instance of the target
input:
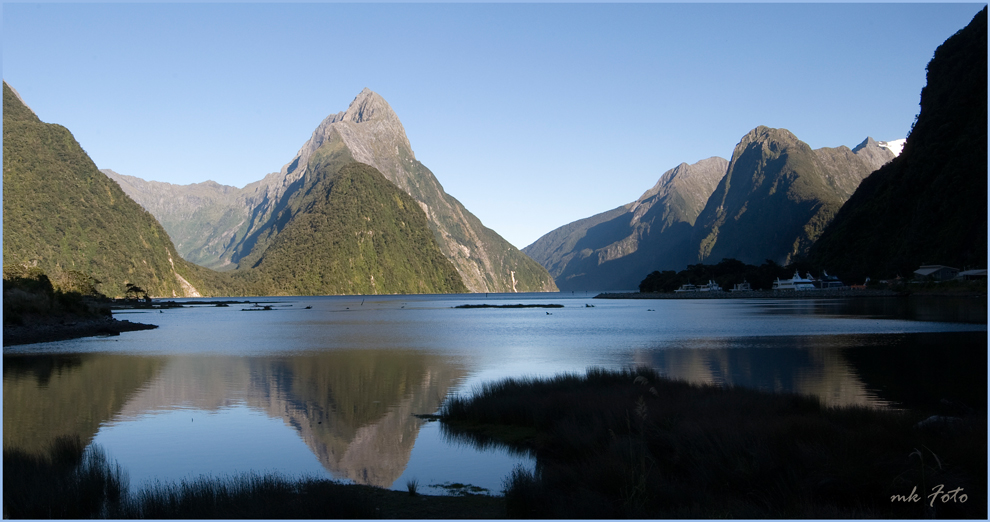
(929, 206)
(352, 232)
(493, 263)
(346, 231)
(727, 273)
(28, 294)
(632, 444)
(64, 482)
(62, 215)
(225, 227)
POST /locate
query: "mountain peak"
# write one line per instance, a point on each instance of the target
(763, 134)
(367, 106)
(866, 143)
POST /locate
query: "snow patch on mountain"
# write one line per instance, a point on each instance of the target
(895, 146)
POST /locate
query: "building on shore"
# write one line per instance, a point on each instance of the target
(936, 273)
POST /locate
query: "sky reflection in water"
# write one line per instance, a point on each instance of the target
(331, 391)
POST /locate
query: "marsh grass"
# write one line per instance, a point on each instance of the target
(70, 482)
(619, 444)
(67, 482)
(253, 496)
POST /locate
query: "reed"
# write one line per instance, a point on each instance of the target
(631, 443)
(69, 482)
(249, 496)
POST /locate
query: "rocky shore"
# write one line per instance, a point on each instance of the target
(753, 294)
(47, 331)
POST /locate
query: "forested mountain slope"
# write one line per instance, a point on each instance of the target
(64, 216)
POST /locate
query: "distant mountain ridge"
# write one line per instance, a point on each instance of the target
(610, 250)
(221, 227)
(770, 201)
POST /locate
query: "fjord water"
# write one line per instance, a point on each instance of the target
(331, 390)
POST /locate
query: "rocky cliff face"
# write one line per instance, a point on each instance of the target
(220, 232)
(611, 250)
(777, 196)
(929, 206)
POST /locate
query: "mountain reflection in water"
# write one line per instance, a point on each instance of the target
(353, 409)
(807, 365)
(331, 390)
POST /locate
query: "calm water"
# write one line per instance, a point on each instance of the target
(331, 391)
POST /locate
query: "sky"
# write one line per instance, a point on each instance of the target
(532, 115)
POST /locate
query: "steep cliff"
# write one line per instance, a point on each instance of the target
(929, 206)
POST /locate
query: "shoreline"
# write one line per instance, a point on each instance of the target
(754, 294)
(43, 332)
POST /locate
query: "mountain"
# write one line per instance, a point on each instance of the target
(930, 204)
(777, 196)
(222, 226)
(615, 249)
(62, 215)
(351, 232)
(179, 208)
(770, 201)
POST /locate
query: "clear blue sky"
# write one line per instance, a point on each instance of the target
(532, 115)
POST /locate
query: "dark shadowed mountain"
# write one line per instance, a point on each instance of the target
(929, 206)
(770, 201)
(777, 196)
(615, 249)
